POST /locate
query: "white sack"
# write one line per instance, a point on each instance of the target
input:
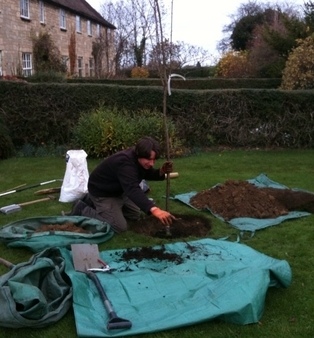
(76, 176)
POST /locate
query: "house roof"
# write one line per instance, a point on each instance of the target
(83, 8)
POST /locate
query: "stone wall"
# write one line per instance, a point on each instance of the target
(16, 32)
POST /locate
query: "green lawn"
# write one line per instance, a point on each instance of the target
(288, 312)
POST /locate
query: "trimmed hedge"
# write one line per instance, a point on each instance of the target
(208, 83)
(46, 113)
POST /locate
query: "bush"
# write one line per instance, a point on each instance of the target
(234, 65)
(6, 144)
(139, 72)
(47, 76)
(299, 70)
(105, 131)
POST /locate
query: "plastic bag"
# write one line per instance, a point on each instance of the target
(76, 176)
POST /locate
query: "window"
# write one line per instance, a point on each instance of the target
(89, 28)
(78, 24)
(80, 66)
(27, 64)
(62, 18)
(24, 8)
(91, 67)
(98, 29)
(41, 11)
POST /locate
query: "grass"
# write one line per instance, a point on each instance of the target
(288, 312)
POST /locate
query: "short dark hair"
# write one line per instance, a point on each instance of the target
(145, 146)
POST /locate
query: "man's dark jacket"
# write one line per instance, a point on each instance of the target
(121, 174)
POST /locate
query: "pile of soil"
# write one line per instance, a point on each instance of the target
(242, 199)
(68, 226)
(150, 253)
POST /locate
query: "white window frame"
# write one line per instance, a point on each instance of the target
(24, 9)
(78, 24)
(41, 11)
(80, 66)
(89, 28)
(27, 67)
(62, 19)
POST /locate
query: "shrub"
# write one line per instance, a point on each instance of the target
(234, 65)
(299, 70)
(46, 55)
(6, 144)
(105, 131)
(139, 72)
(47, 76)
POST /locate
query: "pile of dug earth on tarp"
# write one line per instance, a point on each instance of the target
(252, 204)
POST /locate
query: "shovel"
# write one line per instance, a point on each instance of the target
(86, 259)
(18, 207)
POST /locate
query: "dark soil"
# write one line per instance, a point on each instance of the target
(69, 226)
(184, 226)
(150, 253)
(242, 199)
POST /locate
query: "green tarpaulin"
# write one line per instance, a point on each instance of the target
(216, 279)
(249, 223)
(23, 233)
(36, 293)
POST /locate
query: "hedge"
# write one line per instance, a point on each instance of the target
(46, 113)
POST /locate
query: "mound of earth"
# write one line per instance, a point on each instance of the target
(242, 199)
(68, 226)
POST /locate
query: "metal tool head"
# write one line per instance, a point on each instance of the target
(9, 209)
(103, 269)
(86, 258)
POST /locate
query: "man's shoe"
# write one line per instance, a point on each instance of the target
(77, 208)
(87, 200)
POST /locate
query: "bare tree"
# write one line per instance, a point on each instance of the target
(135, 37)
(134, 21)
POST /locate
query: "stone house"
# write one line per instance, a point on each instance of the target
(73, 26)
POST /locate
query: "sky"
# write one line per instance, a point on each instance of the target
(200, 22)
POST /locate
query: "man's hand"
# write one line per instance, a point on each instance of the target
(164, 216)
(166, 168)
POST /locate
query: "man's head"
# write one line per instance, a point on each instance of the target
(147, 151)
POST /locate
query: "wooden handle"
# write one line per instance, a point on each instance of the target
(173, 175)
(47, 191)
(35, 201)
(6, 263)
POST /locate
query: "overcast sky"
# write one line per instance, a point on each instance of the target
(200, 22)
